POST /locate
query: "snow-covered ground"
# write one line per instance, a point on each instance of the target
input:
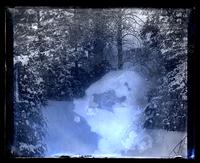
(107, 122)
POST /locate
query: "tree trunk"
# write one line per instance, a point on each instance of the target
(16, 83)
(98, 36)
(76, 59)
(39, 30)
(119, 39)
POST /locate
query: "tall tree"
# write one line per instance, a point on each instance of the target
(166, 30)
(29, 124)
(119, 38)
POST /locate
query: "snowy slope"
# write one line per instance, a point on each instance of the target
(163, 143)
(107, 122)
(121, 128)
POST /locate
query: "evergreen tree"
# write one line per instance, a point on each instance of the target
(29, 125)
(166, 30)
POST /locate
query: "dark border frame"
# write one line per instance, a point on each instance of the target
(7, 72)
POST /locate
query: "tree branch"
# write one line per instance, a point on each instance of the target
(131, 34)
(133, 15)
(129, 17)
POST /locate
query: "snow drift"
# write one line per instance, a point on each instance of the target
(112, 108)
(106, 122)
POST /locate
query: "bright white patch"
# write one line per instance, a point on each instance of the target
(23, 59)
(122, 128)
(35, 26)
(39, 80)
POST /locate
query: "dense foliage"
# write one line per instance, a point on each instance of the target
(166, 32)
